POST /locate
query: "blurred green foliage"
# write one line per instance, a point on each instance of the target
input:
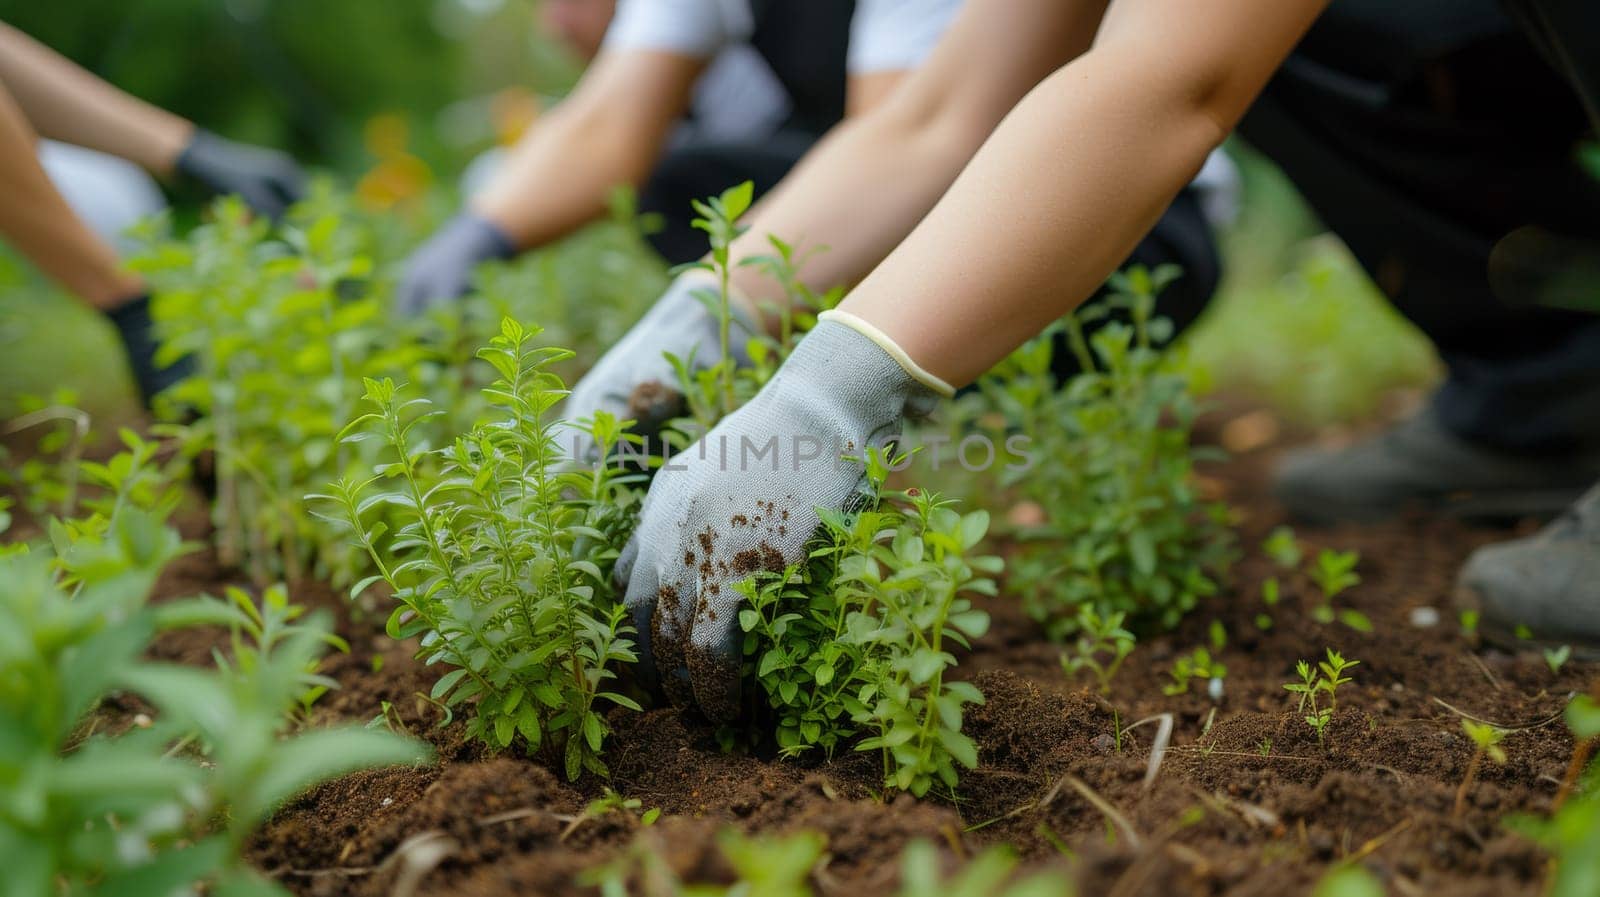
(306, 74)
(1297, 325)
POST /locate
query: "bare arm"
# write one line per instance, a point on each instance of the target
(67, 103)
(36, 220)
(1072, 179)
(610, 131)
(867, 184)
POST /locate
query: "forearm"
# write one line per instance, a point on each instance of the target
(852, 199)
(560, 177)
(863, 189)
(1045, 212)
(1074, 178)
(609, 132)
(67, 103)
(39, 223)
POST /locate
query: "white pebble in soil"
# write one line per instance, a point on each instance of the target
(1424, 617)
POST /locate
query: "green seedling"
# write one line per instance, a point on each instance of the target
(1333, 573)
(989, 874)
(719, 217)
(1123, 526)
(1572, 834)
(1348, 881)
(1486, 743)
(1270, 596)
(1282, 547)
(858, 640)
(1469, 624)
(500, 565)
(1101, 647)
(285, 322)
(169, 807)
(1319, 682)
(763, 866)
(1198, 665)
(1264, 747)
(610, 802)
(1556, 658)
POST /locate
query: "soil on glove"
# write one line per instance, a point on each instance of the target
(1245, 802)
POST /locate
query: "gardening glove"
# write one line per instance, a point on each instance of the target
(441, 269)
(744, 499)
(269, 181)
(635, 381)
(137, 332)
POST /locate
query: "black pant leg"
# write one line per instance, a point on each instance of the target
(1182, 237)
(699, 170)
(1423, 170)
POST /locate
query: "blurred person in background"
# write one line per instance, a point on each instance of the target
(681, 99)
(44, 94)
(1005, 180)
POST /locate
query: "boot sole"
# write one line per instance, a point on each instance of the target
(1504, 637)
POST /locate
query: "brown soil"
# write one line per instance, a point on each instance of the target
(1246, 802)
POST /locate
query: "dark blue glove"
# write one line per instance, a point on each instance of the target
(137, 332)
(269, 181)
(441, 269)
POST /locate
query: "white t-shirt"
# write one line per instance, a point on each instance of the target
(885, 35)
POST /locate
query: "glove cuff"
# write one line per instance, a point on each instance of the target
(185, 163)
(913, 370)
(490, 240)
(139, 339)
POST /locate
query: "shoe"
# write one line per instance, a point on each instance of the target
(1547, 585)
(1419, 464)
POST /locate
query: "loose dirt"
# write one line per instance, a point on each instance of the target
(1245, 802)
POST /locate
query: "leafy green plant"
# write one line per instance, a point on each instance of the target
(1101, 647)
(1282, 547)
(1556, 658)
(711, 393)
(1333, 573)
(783, 866)
(1572, 833)
(1486, 743)
(281, 328)
(763, 866)
(257, 627)
(160, 809)
(1271, 594)
(501, 565)
(989, 874)
(49, 476)
(857, 640)
(1316, 683)
(1197, 665)
(1348, 881)
(1124, 528)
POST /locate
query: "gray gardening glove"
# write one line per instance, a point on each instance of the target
(680, 324)
(269, 181)
(743, 499)
(441, 269)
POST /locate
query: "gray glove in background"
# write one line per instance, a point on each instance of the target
(269, 181)
(743, 499)
(678, 323)
(441, 269)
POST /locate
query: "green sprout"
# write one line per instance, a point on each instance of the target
(1101, 647)
(1486, 740)
(1314, 684)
